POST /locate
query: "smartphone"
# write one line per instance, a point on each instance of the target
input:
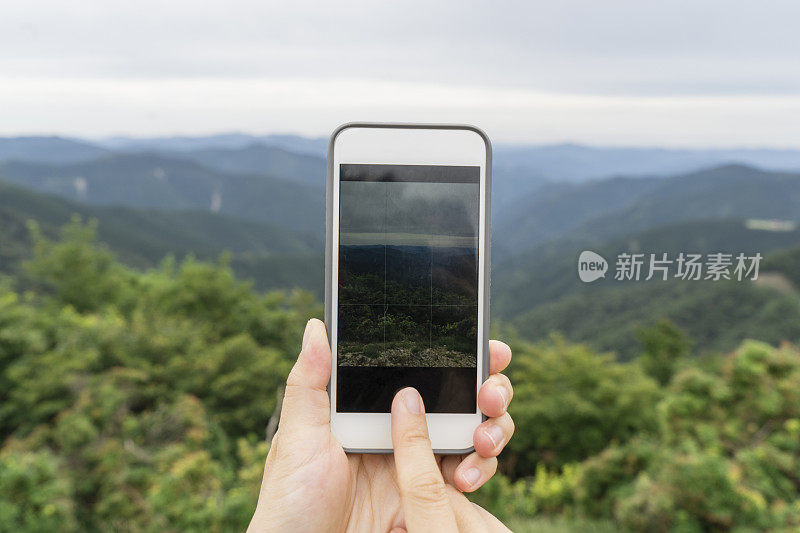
(407, 278)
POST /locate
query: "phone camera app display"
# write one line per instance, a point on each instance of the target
(408, 285)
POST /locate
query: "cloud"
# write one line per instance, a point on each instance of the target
(535, 70)
(98, 107)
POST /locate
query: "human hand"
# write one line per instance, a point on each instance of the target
(311, 484)
(428, 503)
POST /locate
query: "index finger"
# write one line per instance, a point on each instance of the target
(426, 506)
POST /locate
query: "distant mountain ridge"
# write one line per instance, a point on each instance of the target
(548, 272)
(554, 210)
(263, 199)
(688, 213)
(262, 159)
(575, 162)
(721, 192)
(601, 209)
(141, 238)
(282, 156)
(539, 292)
(52, 149)
(157, 181)
(519, 167)
(556, 162)
(315, 146)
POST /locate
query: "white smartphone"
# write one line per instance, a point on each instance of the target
(407, 278)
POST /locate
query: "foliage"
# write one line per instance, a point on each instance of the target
(82, 276)
(725, 456)
(547, 524)
(136, 401)
(578, 401)
(787, 263)
(663, 346)
(33, 494)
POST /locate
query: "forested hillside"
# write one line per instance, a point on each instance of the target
(548, 272)
(156, 181)
(603, 209)
(717, 315)
(270, 255)
(263, 159)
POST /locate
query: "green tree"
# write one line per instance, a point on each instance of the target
(570, 402)
(79, 271)
(663, 346)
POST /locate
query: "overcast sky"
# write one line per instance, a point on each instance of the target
(674, 73)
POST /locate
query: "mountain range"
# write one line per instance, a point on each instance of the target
(155, 181)
(600, 209)
(262, 199)
(517, 169)
(142, 238)
(51, 149)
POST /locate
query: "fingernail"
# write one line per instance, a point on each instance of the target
(413, 401)
(306, 335)
(471, 476)
(502, 392)
(495, 434)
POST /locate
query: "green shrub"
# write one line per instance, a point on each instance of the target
(35, 493)
(570, 403)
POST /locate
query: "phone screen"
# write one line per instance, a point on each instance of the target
(407, 286)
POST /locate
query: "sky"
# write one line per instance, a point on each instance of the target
(696, 73)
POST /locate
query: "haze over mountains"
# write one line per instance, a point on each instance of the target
(48, 149)
(600, 209)
(143, 237)
(231, 141)
(156, 181)
(262, 199)
(517, 169)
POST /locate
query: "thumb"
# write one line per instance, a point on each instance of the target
(305, 402)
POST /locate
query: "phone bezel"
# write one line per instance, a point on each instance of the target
(389, 143)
